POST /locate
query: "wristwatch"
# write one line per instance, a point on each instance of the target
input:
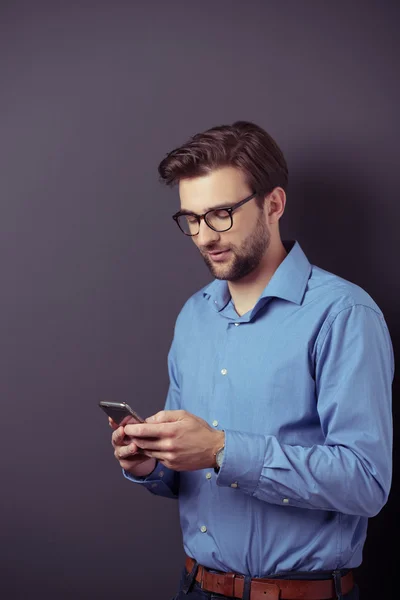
(219, 456)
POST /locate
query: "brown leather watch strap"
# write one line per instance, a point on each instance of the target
(230, 584)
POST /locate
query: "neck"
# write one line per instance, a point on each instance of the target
(247, 290)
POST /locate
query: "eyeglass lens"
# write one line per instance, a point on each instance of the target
(220, 220)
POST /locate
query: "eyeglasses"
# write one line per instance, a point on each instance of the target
(219, 219)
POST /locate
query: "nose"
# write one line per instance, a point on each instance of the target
(206, 235)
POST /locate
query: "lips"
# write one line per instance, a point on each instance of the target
(219, 256)
(217, 252)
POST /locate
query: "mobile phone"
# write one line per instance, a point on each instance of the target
(120, 412)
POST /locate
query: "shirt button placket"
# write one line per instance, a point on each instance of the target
(223, 373)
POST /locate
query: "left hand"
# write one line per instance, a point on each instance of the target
(180, 440)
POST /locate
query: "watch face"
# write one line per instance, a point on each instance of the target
(219, 456)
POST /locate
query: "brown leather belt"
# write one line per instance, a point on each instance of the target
(231, 584)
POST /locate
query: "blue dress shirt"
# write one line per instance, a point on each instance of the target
(301, 384)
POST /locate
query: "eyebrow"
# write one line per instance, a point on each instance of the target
(218, 207)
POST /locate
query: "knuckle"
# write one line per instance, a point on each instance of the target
(170, 445)
(115, 435)
(123, 452)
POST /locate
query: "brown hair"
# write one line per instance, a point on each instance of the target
(243, 145)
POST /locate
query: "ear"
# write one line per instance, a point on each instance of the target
(276, 202)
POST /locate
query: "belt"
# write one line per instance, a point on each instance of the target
(231, 584)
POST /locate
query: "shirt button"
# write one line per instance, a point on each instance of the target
(209, 475)
(161, 473)
(203, 528)
(215, 423)
(234, 485)
(224, 371)
(237, 324)
(286, 501)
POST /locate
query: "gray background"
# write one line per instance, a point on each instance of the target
(94, 271)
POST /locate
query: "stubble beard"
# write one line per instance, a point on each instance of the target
(246, 258)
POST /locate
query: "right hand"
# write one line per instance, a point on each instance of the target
(128, 454)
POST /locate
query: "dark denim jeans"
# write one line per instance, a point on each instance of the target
(189, 588)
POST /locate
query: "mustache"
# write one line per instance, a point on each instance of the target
(206, 249)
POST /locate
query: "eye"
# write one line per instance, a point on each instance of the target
(221, 214)
(191, 219)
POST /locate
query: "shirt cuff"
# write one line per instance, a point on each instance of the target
(140, 479)
(243, 460)
(159, 482)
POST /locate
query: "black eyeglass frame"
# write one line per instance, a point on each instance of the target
(229, 209)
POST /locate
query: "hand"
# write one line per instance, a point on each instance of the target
(129, 456)
(180, 440)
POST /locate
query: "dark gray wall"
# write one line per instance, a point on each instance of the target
(94, 272)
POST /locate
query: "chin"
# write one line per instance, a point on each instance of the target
(221, 276)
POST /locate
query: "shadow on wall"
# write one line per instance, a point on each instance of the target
(332, 210)
(332, 207)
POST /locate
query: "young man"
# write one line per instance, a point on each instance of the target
(276, 436)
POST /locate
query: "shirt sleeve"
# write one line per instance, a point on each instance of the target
(351, 472)
(164, 481)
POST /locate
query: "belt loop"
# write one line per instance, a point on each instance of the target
(337, 578)
(246, 587)
(190, 578)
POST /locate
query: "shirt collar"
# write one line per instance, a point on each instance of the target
(288, 282)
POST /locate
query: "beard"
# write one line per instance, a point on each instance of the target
(243, 259)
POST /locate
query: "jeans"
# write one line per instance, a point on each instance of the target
(190, 588)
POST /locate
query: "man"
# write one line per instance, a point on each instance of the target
(276, 436)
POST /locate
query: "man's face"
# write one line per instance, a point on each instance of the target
(246, 242)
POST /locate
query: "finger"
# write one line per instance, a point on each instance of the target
(166, 416)
(124, 452)
(112, 423)
(149, 443)
(117, 436)
(149, 430)
(160, 456)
